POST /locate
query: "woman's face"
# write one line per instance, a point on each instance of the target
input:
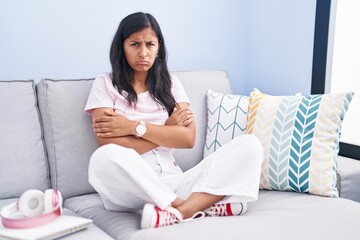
(141, 49)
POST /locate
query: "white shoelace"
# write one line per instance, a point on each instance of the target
(172, 215)
(197, 216)
(166, 217)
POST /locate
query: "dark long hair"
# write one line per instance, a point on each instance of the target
(158, 79)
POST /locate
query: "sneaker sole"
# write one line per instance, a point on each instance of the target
(146, 216)
(244, 209)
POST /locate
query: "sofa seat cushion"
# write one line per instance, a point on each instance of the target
(119, 225)
(276, 215)
(23, 163)
(91, 232)
(349, 174)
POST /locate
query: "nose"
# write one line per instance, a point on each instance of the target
(143, 52)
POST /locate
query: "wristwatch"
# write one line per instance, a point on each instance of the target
(140, 129)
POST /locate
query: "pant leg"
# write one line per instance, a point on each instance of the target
(125, 181)
(233, 170)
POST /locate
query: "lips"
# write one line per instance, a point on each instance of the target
(142, 63)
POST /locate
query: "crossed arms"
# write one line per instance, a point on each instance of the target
(178, 131)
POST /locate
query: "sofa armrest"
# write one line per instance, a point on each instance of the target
(349, 178)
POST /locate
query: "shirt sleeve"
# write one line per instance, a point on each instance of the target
(99, 95)
(178, 90)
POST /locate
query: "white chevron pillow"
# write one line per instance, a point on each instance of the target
(300, 137)
(226, 119)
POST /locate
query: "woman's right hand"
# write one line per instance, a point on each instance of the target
(113, 125)
(180, 117)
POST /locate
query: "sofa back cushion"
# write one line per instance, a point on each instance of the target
(196, 84)
(69, 137)
(23, 162)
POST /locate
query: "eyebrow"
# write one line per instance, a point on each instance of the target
(137, 41)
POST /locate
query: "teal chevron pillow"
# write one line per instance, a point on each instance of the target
(300, 136)
(226, 119)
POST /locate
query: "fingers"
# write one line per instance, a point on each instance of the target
(185, 114)
(182, 111)
(102, 119)
(107, 118)
(110, 113)
(102, 129)
(188, 121)
(105, 135)
(185, 117)
(180, 117)
(102, 125)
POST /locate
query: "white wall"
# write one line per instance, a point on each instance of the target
(261, 43)
(345, 73)
(279, 46)
(71, 38)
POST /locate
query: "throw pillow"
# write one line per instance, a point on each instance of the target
(300, 136)
(226, 115)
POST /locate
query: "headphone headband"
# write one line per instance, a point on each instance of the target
(11, 220)
(19, 223)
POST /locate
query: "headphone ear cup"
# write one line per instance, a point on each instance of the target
(60, 200)
(52, 198)
(31, 203)
(49, 203)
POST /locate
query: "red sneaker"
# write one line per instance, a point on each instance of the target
(226, 209)
(154, 217)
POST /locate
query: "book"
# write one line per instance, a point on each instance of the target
(62, 226)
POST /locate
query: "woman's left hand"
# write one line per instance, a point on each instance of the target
(180, 117)
(113, 125)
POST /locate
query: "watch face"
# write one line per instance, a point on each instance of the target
(141, 129)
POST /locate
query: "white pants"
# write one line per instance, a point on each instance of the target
(126, 180)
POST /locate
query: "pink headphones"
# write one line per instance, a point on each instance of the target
(34, 208)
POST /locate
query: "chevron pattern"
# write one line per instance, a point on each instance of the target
(280, 143)
(254, 102)
(226, 119)
(300, 137)
(322, 170)
(263, 128)
(301, 142)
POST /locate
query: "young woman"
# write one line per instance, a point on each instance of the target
(140, 112)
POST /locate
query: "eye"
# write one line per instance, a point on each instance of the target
(150, 44)
(134, 44)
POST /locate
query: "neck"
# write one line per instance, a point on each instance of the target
(139, 82)
(140, 77)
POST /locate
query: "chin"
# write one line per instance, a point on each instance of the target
(142, 69)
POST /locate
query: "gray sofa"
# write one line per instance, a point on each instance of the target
(46, 141)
